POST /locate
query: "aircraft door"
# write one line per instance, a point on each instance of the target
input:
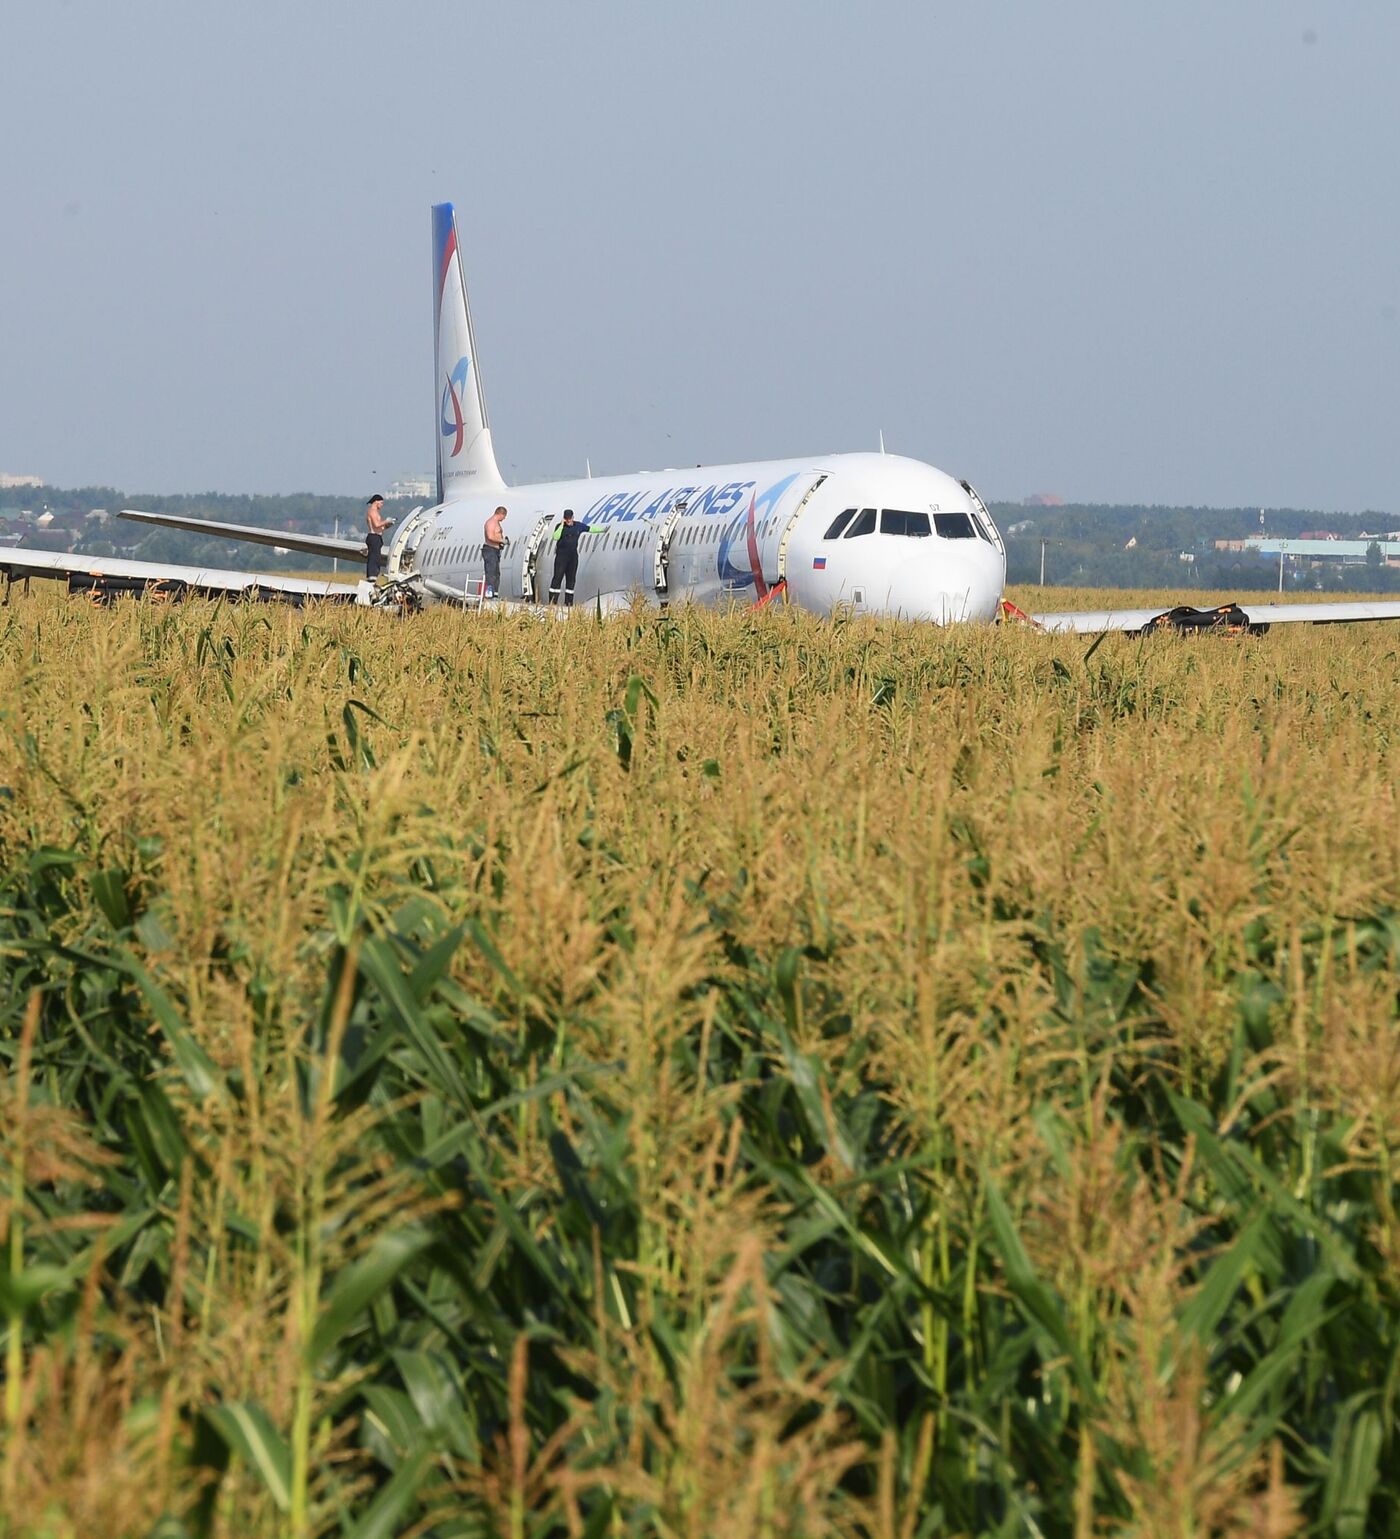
(661, 551)
(403, 549)
(529, 574)
(785, 538)
(985, 519)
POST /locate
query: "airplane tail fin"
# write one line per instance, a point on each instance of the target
(466, 462)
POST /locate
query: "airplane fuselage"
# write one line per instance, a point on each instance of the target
(917, 543)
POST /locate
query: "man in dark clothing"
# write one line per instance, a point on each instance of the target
(374, 540)
(566, 557)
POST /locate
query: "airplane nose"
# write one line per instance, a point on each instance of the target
(952, 585)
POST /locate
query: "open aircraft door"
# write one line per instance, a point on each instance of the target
(401, 556)
(529, 571)
(785, 538)
(661, 551)
(984, 518)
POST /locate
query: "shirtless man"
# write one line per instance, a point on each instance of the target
(374, 540)
(494, 540)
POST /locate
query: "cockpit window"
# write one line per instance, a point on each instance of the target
(841, 520)
(915, 525)
(864, 524)
(954, 526)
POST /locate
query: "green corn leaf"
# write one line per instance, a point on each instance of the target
(876, 1246)
(1036, 1299)
(1304, 1318)
(109, 893)
(21, 1291)
(357, 1287)
(1353, 1468)
(380, 964)
(384, 1516)
(1246, 1181)
(1208, 1306)
(488, 948)
(247, 1432)
(455, 1140)
(437, 1399)
(198, 1069)
(392, 1423)
(434, 962)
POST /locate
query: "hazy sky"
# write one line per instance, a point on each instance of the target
(1117, 251)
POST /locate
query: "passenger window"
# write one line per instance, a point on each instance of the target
(954, 526)
(864, 524)
(840, 522)
(894, 521)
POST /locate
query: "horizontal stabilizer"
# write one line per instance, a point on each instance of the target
(283, 539)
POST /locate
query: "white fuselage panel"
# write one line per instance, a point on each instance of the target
(725, 534)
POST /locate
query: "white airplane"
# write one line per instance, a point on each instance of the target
(859, 533)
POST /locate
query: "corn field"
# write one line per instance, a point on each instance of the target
(694, 1075)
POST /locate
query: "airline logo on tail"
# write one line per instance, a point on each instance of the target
(453, 417)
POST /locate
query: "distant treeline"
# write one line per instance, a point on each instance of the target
(1087, 543)
(301, 512)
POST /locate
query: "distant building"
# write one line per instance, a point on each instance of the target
(411, 486)
(1042, 500)
(7, 480)
(1318, 547)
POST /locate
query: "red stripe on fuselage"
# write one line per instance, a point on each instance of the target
(760, 586)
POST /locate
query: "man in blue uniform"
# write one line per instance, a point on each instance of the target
(566, 557)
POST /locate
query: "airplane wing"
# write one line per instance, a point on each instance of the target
(109, 575)
(307, 544)
(1254, 618)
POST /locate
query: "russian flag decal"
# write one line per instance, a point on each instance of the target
(819, 563)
